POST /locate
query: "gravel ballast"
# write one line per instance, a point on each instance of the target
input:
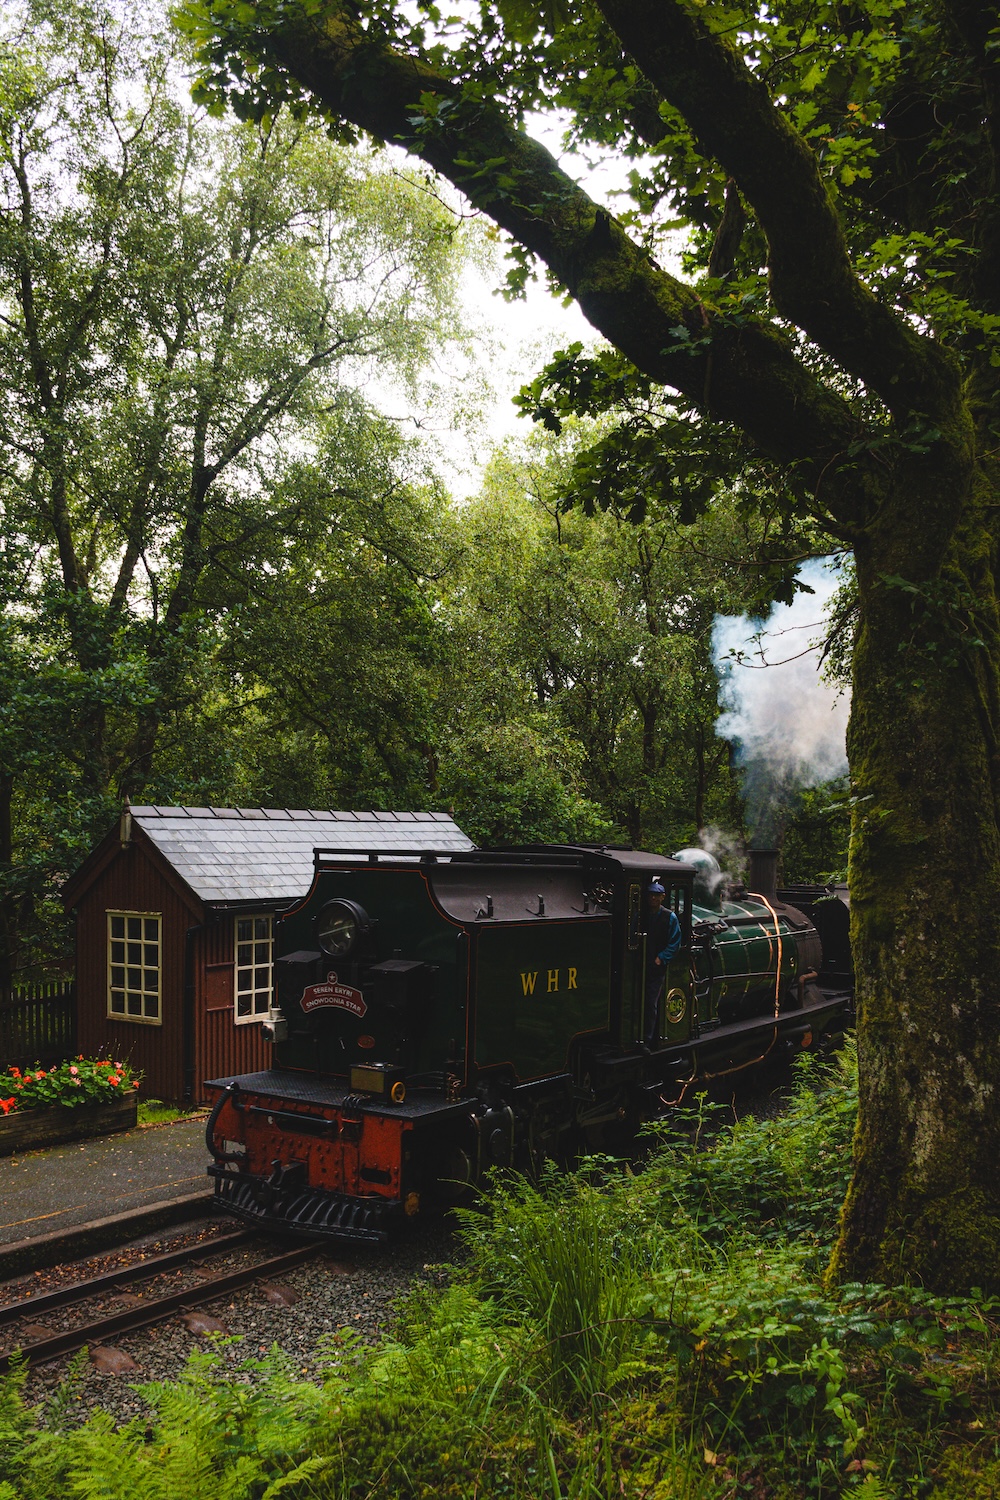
(351, 1290)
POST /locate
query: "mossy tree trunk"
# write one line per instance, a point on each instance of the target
(867, 408)
(925, 895)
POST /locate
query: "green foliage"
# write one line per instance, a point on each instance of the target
(816, 835)
(191, 310)
(647, 456)
(214, 1437)
(513, 785)
(786, 1176)
(155, 1112)
(564, 1259)
(594, 634)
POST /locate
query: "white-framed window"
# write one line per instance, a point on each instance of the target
(254, 956)
(134, 969)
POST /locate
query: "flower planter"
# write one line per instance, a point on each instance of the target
(31, 1129)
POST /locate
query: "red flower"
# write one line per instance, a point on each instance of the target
(7, 1105)
(14, 1072)
(113, 1079)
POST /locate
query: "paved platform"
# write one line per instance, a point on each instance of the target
(49, 1190)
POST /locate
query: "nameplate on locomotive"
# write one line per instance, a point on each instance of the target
(331, 993)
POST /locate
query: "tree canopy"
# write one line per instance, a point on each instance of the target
(835, 338)
(192, 314)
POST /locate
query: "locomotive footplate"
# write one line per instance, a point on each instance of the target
(724, 1042)
(282, 1086)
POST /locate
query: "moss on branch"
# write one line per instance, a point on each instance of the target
(813, 282)
(740, 369)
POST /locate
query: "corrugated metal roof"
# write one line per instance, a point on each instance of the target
(266, 853)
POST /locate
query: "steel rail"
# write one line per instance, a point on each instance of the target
(78, 1291)
(142, 1317)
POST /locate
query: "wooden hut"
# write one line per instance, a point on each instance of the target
(175, 928)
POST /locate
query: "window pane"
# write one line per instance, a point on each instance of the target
(254, 953)
(134, 966)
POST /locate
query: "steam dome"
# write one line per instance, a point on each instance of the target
(708, 877)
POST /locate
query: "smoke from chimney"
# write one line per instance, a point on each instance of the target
(788, 725)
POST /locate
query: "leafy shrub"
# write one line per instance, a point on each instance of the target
(85, 1081)
(211, 1437)
(785, 1177)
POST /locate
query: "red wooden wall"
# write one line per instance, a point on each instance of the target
(132, 882)
(221, 1046)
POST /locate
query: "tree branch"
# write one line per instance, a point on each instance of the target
(813, 282)
(741, 370)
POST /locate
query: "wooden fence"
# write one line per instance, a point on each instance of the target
(38, 1025)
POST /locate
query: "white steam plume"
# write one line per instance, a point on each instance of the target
(788, 725)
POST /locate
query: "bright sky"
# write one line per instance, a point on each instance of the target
(519, 337)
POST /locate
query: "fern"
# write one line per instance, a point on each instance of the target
(310, 1468)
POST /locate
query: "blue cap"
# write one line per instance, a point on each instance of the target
(656, 889)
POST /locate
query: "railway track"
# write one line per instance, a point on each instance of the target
(37, 1344)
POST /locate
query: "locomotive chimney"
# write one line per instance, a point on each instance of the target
(763, 877)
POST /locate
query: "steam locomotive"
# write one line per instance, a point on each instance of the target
(436, 1016)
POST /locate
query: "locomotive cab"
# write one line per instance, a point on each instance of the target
(437, 1016)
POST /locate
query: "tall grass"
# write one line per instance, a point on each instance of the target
(568, 1260)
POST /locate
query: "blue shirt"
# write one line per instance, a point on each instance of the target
(673, 940)
(663, 938)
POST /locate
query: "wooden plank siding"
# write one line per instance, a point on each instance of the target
(221, 1046)
(132, 883)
